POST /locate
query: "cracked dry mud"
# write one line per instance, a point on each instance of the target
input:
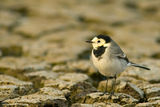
(44, 60)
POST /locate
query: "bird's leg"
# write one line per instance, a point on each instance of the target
(106, 87)
(113, 86)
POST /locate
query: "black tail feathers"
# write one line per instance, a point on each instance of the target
(140, 66)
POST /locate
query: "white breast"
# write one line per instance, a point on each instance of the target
(108, 66)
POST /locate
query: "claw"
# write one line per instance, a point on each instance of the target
(111, 94)
(104, 93)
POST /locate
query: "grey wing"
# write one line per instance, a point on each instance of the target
(124, 57)
(117, 52)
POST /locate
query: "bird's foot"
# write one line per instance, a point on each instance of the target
(111, 94)
(102, 94)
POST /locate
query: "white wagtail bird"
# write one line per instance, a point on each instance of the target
(109, 59)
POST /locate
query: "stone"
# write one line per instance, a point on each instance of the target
(44, 46)
(8, 80)
(153, 99)
(106, 105)
(59, 68)
(96, 105)
(37, 66)
(8, 91)
(74, 77)
(76, 84)
(81, 65)
(41, 98)
(11, 87)
(151, 90)
(34, 27)
(22, 64)
(66, 81)
(47, 9)
(81, 105)
(130, 89)
(79, 91)
(72, 66)
(151, 7)
(8, 63)
(0, 53)
(54, 41)
(42, 74)
(123, 86)
(13, 50)
(8, 19)
(130, 79)
(149, 104)
(37, 77)
(51, 91)
(118, 98)
(154, 91)
(58, 84)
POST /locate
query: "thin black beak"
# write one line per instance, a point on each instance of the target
(89, 41)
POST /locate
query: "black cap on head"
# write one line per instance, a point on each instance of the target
(105, 37)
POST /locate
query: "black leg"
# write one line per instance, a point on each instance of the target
(106, 87)
(113, 86)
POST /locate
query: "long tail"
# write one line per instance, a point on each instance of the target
(140, 66)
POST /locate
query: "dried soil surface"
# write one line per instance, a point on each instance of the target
(44, 60)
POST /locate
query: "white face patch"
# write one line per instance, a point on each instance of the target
(99, 42)
(106, 45)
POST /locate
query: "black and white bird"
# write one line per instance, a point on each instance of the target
(108, 58)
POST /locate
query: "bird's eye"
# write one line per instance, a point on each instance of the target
(98, 41)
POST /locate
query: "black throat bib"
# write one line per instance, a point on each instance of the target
(98, 52)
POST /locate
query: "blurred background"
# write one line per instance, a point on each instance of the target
(51, 34)
(55, 30)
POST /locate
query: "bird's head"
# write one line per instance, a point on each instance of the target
(100, 41)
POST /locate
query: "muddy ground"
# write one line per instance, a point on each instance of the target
(44, 60)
